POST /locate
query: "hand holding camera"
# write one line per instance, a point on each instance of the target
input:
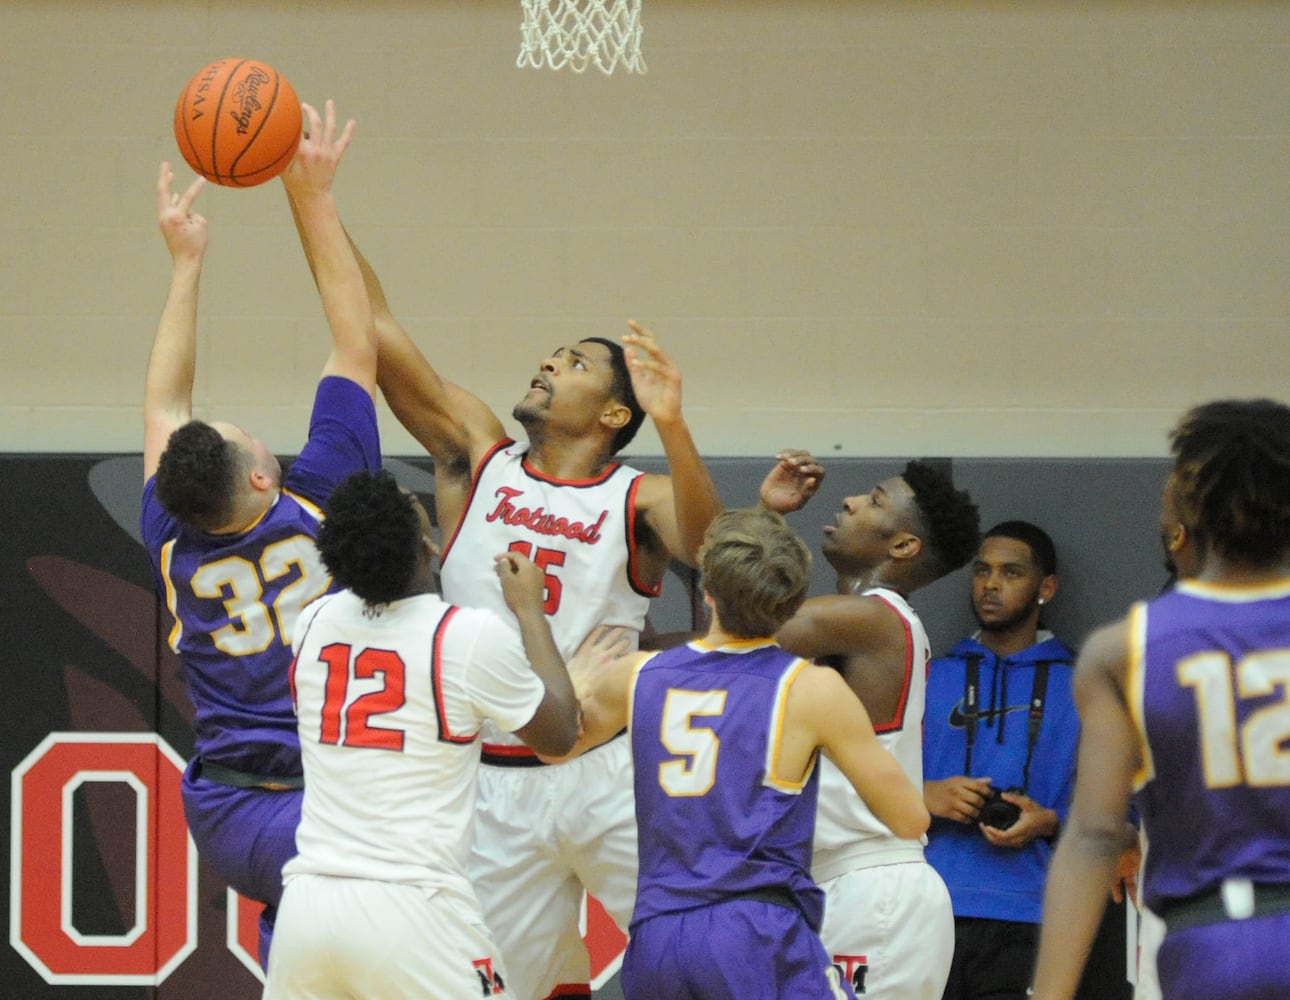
(998, 812)
(1014, 823)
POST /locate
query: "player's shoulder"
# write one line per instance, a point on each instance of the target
(1105, 653)
(652, 488)
(815, 682)
(465, 621)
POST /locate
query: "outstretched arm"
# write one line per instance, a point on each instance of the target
(1090, 846)
(168, 385)
(601, 671)
(837, 722)
(678, 507)
(862, 636)
(308, 181)
(453, 426)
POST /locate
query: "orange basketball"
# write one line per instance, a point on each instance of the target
(237, 122)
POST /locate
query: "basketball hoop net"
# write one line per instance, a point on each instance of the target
(581, 33)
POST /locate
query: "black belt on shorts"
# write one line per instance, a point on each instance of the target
(1207, 907)
(241, 779)
(512, 755)
(776, 895)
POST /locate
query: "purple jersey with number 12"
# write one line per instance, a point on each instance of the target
(1209, 687)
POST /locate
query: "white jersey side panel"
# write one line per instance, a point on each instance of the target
(389, 708)
(844, 822)
(579, 532)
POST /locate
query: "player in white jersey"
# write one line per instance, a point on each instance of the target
(887, 917)
(392, 686)
(544, 833)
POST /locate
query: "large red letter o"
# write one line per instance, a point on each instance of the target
(165, 930)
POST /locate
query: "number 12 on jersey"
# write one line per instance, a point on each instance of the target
(346, 719)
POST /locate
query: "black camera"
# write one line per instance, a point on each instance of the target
(997, 812)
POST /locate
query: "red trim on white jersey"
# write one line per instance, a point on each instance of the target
(470, 495)
(897, 722)
(554, 481)
(633, 569)
(445, 733)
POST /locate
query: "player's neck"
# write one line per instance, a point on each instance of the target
(250, 508)
(568, 458)
(718, 637)
(1234, 573)
(858, 583)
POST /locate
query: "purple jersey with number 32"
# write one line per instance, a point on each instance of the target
(234, 598)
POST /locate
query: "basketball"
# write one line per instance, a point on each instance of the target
(237, 122)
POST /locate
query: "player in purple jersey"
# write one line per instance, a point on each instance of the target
(231, 538)
(725, 735)
(1185, 700)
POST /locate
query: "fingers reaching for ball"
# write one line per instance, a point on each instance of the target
(183, 229)
(314, 166)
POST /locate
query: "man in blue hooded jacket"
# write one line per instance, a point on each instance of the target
(999, 748)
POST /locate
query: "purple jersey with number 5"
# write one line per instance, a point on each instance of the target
(235, 597)
(1209, 688)
(715, 823)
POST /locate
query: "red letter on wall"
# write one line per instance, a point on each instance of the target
(163, 930)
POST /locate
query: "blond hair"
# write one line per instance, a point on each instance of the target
(755, 569)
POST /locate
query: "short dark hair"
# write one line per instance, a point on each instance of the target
(1042, 550)
(948, 515)
(1232, 477)
(756, 570)
(620, 387)
(368, 537)
(197, 476)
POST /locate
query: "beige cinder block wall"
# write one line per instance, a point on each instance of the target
(867, 228)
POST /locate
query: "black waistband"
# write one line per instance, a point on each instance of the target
(504, 755)
(777, 895)
(518, 755)
(241, 779)
(1207, 907)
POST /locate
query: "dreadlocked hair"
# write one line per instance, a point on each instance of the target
(949, 516)
(196, 476)
(1232, 477)
(368, 537)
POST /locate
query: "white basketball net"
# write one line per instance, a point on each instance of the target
(581, 33)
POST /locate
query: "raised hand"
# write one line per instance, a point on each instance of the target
(313, 168)
(655, 378)
(184, 230)
(791, 482)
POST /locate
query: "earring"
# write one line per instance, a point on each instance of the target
(1041, 600)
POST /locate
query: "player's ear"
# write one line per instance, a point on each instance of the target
(615, 415)
(904, 545)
